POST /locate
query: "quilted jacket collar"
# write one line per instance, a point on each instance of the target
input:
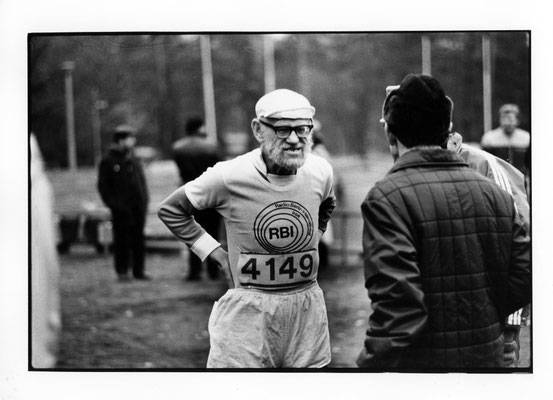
(428, 157)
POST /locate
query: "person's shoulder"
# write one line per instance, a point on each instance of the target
(397, 180)
(321, 151)
(201, 143)
(522, 133)
(494, 138)
(137, 159)
(317, 169)
(179, 144)
(475, 155)
(244, 158)
(493, 133)
(383, 187)
(109, 157)
(316, 161)
(236, 164)
(235, 170)
(378, 193)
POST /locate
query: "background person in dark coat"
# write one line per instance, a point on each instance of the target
(194, 154)
(122, 186)
(446, 254)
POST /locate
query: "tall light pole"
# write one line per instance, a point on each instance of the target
(303, 67)
(97, 106)
(209, 95)
(487, 81)
(426, 55)
(68, 67)
(269, 63)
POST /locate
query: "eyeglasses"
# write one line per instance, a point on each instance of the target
(283, 132)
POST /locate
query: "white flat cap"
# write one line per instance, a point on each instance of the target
(284, 103)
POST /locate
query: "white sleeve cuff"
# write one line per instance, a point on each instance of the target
(204, 246)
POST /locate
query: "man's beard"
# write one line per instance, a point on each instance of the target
(275, 151)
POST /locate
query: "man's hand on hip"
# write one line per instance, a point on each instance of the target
(220, 256)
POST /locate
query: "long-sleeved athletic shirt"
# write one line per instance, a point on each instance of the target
(273, 222)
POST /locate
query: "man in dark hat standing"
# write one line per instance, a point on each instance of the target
(446, 254)
(122, 186)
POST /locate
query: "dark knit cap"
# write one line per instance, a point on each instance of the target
(418, 112)
(122, 132)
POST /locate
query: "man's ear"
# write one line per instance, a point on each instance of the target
(392, 139)
(256, 129)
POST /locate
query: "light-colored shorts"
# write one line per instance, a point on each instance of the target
(250, 328)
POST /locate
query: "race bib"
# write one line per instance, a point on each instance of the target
(276, 271)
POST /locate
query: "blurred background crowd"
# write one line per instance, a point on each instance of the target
(158, 81)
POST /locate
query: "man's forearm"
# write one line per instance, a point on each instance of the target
(177, 213)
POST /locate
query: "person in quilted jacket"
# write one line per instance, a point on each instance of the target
(446, 254)
(510, 179)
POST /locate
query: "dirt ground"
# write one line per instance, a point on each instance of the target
(162, 323)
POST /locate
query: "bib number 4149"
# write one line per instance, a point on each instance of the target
(280, 268)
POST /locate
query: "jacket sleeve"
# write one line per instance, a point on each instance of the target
(105, 185)
(143, 183)
(176, 212)
(519, 292)
(393, 283)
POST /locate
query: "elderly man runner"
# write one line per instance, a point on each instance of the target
(276, 202)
